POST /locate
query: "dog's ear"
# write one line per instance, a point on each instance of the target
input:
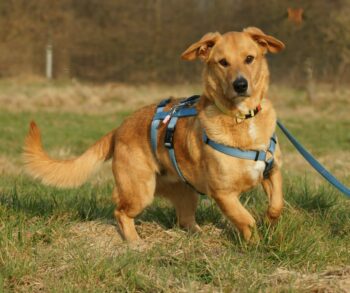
(269, 43)
(202, 48)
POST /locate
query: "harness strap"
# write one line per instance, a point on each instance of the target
(169, 144)
(155, 124)
(247, 155)
(269, 163)
(185, 112)
(184, 109)
(179, 110)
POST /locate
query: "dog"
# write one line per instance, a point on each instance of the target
(235, 79)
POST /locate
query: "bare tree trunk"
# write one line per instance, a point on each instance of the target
(157, 34)
(310, 83)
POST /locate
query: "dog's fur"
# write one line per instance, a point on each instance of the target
(139, 174)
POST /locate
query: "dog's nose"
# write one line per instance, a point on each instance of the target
(240, 85)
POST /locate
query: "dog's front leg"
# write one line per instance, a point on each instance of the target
(236, 213)
(273, 188)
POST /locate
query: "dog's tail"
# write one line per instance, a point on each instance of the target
(64, 173)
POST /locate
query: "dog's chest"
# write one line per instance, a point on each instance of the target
(255, 172)
(255, 169)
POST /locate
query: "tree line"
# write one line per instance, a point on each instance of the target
(141, 41)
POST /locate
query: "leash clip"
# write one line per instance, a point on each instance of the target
(171, 113)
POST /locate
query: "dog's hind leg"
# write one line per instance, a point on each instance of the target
(273, 188)
(130, 203)
(134, 191)
(185, 201)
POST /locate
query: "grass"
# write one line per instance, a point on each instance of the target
(66, 241)
(39, 249)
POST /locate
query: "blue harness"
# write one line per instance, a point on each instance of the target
(185, 109)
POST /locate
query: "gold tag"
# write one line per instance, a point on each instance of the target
(239, 120)
(240, 117)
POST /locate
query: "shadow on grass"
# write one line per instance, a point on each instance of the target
(87, 203)
(94, 202)
(311, 199)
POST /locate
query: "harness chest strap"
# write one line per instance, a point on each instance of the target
(183, 110)
(155, 123)
(247, 155)
(180, 110)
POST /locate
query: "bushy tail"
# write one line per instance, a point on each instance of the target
(64, 173)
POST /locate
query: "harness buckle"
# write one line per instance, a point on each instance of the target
(257, 156)
(169, 133)
(268, 168)
(260, 156)
(168, 139)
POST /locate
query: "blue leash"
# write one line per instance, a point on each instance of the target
(313, 162)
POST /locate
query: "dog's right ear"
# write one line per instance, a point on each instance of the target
(202, 48)
(268, 43)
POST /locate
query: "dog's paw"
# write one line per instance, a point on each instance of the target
(255, 237)
(193, 228)
(272, 215)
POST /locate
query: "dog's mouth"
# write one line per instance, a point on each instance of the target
(240, 97)
(246, 95)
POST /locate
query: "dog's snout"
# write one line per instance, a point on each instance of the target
(240, 85)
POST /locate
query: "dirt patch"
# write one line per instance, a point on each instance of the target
(332, 280)
(97, 236)
(106, 237)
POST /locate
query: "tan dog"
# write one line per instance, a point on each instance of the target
(235, 82)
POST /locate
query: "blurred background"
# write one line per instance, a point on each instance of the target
(107, 58)
(141, 41)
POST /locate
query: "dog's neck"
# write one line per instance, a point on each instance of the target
(239, 109)
(242, 110)
(247, 134)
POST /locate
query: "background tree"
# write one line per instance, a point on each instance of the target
(142, 40)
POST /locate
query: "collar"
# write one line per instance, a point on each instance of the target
(239, 116)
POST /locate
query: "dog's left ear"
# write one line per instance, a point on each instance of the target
(202, 48)
(269, 43)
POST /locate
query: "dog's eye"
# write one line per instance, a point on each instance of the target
(224, 63)
(249, 59)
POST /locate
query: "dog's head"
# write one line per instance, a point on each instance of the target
(235, 63)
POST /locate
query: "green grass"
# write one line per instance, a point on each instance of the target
(319, 135)
(313, 233)
(39, 250)
(58, 129)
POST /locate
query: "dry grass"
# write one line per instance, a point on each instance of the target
(330, 280)
(78, 97)
(34, 94)
(103, 238)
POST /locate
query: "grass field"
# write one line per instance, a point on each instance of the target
(66, 240)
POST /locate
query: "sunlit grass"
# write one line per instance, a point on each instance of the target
(313, 233)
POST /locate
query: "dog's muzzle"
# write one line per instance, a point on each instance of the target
(240, 85)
